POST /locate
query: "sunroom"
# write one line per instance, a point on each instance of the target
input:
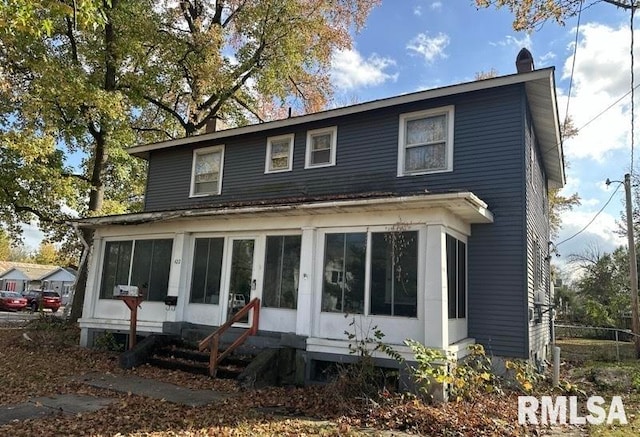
(396, 262)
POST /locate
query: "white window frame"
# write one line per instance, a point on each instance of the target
(333, 131)
(369, 230)
(204, 151)
(269, 159)
(445, 110)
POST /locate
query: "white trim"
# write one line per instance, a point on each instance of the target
(333, 131)
(203, 151)
(449, 112)
(268, 160)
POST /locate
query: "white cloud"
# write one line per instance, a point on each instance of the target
(600, 78)
(601, 233)
(429, 47)
(436, 6)
(510, 41)
(350, 70)
(417, 11)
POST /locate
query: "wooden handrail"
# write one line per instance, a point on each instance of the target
(212, 341)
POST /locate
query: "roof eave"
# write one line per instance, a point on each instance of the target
(466, 205)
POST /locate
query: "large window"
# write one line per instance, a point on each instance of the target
(457, 277)
(321, 147)
(143, 263)
(344, 273)
(279, 154)
(425, 143)
(207, 268)
(206, 174)
(281, 272)
(393, 273)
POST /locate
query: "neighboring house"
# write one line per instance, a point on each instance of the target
(424, 214)
(19, 277)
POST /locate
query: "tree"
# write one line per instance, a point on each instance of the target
(530, 14)
(140, 71)
(5, 245)
(46, 254)
(603, 289)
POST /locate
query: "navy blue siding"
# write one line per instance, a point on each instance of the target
(489, 160)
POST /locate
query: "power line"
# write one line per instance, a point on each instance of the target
(573, 64)
(592, 220)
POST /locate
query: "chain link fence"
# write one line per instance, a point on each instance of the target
(595, 342)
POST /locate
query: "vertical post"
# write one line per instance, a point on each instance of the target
(132, 325)
(617, 347)
(633, 266)
(556, 366)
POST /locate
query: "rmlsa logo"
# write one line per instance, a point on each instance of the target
(548, 411)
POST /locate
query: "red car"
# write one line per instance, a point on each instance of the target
(12, 301)
(47, 298)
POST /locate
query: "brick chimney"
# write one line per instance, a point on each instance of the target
(524, 61)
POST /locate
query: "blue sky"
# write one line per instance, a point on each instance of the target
(412, 45)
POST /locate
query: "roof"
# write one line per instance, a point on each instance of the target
(464, 204)
(32, 271)
(541, 95)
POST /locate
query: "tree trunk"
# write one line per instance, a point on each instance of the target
(83, 270)
(100, 134)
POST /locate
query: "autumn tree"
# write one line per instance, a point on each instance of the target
(46, 254)
(90, 78)
(5, 245)
(530, 14)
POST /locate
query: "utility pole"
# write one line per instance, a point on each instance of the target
(633, 266)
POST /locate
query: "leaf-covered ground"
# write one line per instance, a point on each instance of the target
(44, 363)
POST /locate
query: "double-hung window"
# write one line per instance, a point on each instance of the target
(143, 263)
(321, 147)
(457, 277)
(425, 142)
(379, 266)
(279, 154)
(206, 173)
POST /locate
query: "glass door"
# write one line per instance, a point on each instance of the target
(241, 278)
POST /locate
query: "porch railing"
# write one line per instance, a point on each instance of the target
(212, 341)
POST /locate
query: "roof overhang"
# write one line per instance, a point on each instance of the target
(465, 205)
(539, 86)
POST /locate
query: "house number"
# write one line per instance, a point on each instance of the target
(177, 261)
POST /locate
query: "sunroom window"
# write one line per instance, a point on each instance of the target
(425, 143)
(394, 273)
(143, 263)
(391, 258)
(206, 176)
(281, 271)
(457, 277)
(207, 270)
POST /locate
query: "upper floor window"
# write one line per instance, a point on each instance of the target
(279, 154)
(425, 143)
(321, 147)
(206, 174)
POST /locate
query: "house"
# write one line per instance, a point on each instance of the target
(424, 214)
(19, 277)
